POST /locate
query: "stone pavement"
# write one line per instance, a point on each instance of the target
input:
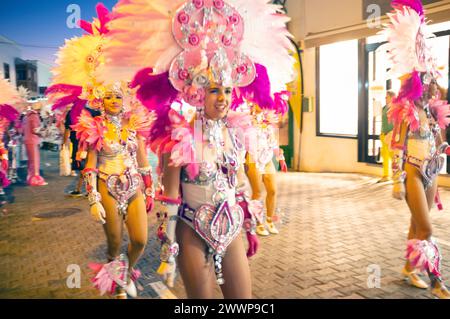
(337, 231)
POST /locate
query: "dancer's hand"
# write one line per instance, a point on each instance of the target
(398, 191)
(283, 166)
(98, 213)
(253, 244)
(5, 164)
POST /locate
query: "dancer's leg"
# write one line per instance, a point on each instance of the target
(236, 272)
(197, 273)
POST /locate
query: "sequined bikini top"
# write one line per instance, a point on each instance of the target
(223, 171)
(118, 140)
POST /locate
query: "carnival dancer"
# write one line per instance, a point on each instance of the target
(417, 143)
(10, 100)
(265, 112)
(31, 126)
(199, 52)
(117, 173)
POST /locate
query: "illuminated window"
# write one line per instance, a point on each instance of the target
(338, 89)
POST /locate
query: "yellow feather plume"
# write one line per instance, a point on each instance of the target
(78, 59)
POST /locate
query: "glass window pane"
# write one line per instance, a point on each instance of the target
(339, 88)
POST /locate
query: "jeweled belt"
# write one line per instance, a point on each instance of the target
(218, 226)
(428, 167)
(122, 187)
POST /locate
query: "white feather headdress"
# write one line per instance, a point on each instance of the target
(8, 93)
(408, 43)
(141, 36)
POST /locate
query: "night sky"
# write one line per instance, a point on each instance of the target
(39, 26)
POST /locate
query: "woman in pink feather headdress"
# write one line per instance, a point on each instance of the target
(119, 185)
(417, 142)
(198, 51)
(117, 173)
(266, 111)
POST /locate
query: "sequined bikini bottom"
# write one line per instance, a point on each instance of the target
(217, 226)
(122, 187)
(428, 167)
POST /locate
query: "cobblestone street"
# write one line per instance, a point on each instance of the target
(335, 230)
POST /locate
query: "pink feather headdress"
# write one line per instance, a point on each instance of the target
(74, 82)
(9, 95)
(198, 41)
(186, 44)
(411, 56)
(10, 100)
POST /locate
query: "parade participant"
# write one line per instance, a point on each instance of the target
(385, 138)
(416, 141)
(199, 53)
(8, 114)
(117, 173)
(31, 126)
(9, 97)
(70, 139)
(259, 160)
(117, 176)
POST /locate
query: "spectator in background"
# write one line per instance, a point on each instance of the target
(70, 137)
(31, 139)
(385, 137)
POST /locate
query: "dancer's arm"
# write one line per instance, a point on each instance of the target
(398, 146)
(145, 170)
(251, 210)
(279, 154)
(90, 177)
(167, 204)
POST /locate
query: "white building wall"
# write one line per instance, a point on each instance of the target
(8, 52)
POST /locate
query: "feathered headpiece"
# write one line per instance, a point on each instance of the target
(408, 35)
(191, 43)
(10, 98)
(74, 80)
(411, 56)
(8, 93)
